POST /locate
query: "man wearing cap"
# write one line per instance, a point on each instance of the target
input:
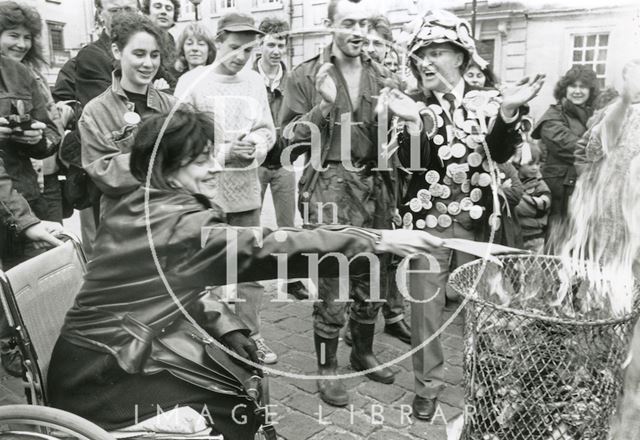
(464, 132)
(329, 108)
(245, 133)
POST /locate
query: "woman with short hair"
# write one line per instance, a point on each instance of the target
(141, 334)
(110, 121)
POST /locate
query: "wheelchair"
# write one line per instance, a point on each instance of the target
(35, 296)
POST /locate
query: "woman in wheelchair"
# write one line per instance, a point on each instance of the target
(141, 333)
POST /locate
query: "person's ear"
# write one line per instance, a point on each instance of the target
(115, 51)
(459, 60)
(327, 22)
(174, 183)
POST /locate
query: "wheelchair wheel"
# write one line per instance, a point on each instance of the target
(32, 422)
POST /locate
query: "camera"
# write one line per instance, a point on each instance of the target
(22, 122)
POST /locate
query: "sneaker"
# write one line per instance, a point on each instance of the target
(265, 354)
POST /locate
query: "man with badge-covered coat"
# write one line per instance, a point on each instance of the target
(464, 132)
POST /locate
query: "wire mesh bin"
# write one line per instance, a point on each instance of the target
(530, 375)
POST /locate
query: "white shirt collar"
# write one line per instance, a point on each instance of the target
(271, 85)
(457, 91)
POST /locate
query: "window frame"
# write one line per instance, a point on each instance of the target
(585, 33)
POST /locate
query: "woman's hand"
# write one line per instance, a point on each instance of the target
(243, 346)
(403, 242)
(32, 136)
(44, 232)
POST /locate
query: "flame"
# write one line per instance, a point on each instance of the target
(600, 240)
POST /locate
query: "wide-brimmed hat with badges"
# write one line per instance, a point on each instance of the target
(439, 26)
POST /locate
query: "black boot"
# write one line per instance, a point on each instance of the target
(400, 330)
(362, 357)
(332, 390)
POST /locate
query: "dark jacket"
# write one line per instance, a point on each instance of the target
(560, 130)
(124, 307)
(15, 213)
(502, 140)
(107, 138)
(533, 209)
(65, 87)
(276, 98)
(18, 87)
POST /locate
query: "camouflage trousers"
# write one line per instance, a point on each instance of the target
(348, 198)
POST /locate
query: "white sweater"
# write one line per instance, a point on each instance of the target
(239, 105)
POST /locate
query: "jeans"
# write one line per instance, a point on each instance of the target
(283, 190)
(252, 293)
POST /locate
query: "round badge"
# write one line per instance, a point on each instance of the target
(466, 204)
(439, 121)
(407, 219)
(132, 118)
(474, 179)
(420, 224)
(424, 195)
(408, 227)
(444, 221)
(435, 190)
(432, 177)
(474, 160)
(458, 150)
(476, 195)
(475, 212)
(454, 208)
(484, 180)
(444, 152)
(459, 133)
(432, 221)
(441, 208)
(447, 180)
(451, 168)
(485, 166)
(471, 143)
(501, 175)
(494, 221)
(430, 122)
(446, 192)
(436, 109)
(469, 126)
(427, 205)
(465, 186)
(438, 139)
(415, 205)
(459, 177)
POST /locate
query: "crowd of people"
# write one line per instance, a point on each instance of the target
(465, 161)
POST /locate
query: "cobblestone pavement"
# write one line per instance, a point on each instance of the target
(378, 411)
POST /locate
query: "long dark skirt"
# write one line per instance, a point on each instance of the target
(92, 385)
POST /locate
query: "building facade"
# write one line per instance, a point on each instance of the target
(518, 38)
(67, 27)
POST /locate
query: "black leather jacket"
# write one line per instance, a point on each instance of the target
(124, 307)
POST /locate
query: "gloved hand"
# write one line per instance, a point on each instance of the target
(243, 346)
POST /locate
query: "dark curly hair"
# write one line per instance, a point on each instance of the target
(580, 73)
(125, 25)
(146, 4)
(12, 15)
(187, 136)
(274, 25)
